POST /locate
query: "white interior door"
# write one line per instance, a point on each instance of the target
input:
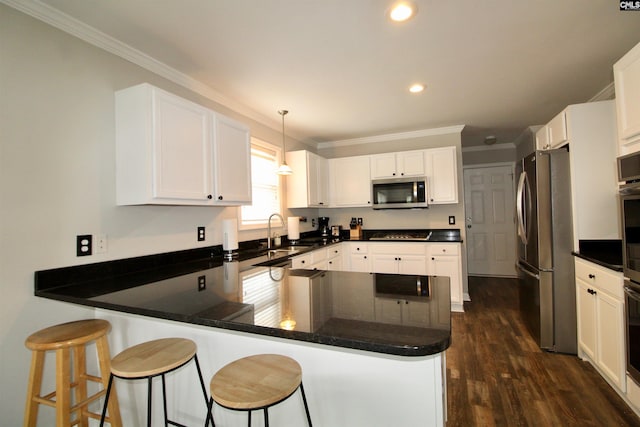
(489, 201)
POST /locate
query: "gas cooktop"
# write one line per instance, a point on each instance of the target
(402, 236)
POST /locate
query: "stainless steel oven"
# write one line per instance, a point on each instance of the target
(629, 175)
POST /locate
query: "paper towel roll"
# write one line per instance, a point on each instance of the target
(293, 226)
(230, 234)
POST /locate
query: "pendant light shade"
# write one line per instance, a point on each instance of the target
(284, 168)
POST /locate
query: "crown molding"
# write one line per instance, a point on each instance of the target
(392, 137)
(608, 92)
(503, 146)
(91, 35)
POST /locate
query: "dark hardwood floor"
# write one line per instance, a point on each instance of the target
(497, 375)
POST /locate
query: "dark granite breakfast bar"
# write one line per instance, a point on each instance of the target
(226, 295)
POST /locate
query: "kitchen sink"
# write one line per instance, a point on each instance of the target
(288, 249)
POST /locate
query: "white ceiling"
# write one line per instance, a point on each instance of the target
(342, 69)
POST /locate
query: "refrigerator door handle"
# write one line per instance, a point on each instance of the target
(522, 232)
(527, 272)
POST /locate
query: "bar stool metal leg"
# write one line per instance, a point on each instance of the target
(306, 407)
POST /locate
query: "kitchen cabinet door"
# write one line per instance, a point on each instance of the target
(557, 130)
(383, 166)
(611, 346)
(542, 138)
(163, 148)
(410, 163)
(350, 181)
(232, 156)
(308, 185)
(450, 267)
(442, 175)
(626, 74)
(600, 311)
(395, 165)
(586, 308)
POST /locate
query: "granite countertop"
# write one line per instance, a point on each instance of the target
(197, 286)
(607, 253)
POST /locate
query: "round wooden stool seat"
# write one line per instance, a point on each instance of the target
(153, 358)
(257, 382)
(70, 399)
(67, 335)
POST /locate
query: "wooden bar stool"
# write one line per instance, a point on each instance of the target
(65, 338)
(151, 359)
(257, 382)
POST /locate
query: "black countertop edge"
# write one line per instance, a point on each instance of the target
(607, 253)
(438, 345)
(614, 267)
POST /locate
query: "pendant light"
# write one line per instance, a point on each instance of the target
(284, 168)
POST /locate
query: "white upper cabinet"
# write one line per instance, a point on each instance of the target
(626, 74)
(308, 185)
(442, 175)
(542, 138)
(350, 181)
(554, 134)
(392, 165)
(166, 150)
(558, 130)
(232, 156)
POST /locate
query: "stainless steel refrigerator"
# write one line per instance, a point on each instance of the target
(545, 240)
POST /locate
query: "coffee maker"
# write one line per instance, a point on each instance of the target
(323, 226)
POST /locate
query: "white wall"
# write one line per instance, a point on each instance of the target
(57, 180)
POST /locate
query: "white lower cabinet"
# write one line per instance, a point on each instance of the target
(428, 259)
(402, 312)
(358, 257)
(444, 260)
(398, 258)
(600, 308)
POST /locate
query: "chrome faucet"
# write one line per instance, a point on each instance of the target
(269, 228)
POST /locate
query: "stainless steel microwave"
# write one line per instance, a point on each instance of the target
(400, 193)
(629, 168)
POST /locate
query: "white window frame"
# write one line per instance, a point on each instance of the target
(278, 156)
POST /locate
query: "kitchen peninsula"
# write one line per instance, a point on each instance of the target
(371, 345)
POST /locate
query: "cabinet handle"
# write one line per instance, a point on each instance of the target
(321, 203)
(219, 197)
(365, 257)
(209, 196)
(406, 302)
(592, 292)
(431, 200)
(399, 259)
(369, 202)
(402, 174)
(394, 174)
(398, 302)
(592, 276)
(302, 262)
(433, 259)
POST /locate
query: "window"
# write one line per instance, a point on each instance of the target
(265, 185)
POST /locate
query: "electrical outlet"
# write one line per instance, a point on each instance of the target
(84, 245)
(452, 220)
(202, 283)
(101, 244)
(200, 234)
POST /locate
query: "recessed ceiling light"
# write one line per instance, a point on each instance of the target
(416, 88)
(402, 11)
